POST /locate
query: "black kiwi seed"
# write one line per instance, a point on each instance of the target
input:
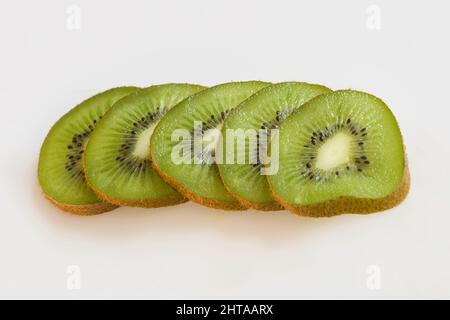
(76, 150)
(325, 133)
(278, 117)
(125, 158)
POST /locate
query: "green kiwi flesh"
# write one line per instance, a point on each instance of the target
(60, 172)
(261, 113)
(341, 152)
(117, 160)
(198, 180)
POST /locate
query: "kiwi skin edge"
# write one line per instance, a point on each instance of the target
(155, 203)
(83, 209)
(351, 205)
(215, 204)
(248, 204)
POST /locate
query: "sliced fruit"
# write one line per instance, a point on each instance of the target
(341, 152)
(184, 143)
(256, 117)
(60, 171)
(117, 156)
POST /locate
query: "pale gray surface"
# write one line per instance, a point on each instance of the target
(193, 252)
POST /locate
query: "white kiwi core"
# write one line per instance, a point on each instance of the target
(142, 146)
(335, 152)
(211, 139)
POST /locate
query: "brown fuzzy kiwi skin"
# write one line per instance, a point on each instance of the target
(267, 206)
(83, 209)
(215, 204)
(350, 205)
(155, 203)
(144, 203)
(275, 206)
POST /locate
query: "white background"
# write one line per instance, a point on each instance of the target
(189, 251)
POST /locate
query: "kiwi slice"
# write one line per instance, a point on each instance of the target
(174, 149)
(60, 170)
(117, 160)
(258, 115)
(341, 152)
